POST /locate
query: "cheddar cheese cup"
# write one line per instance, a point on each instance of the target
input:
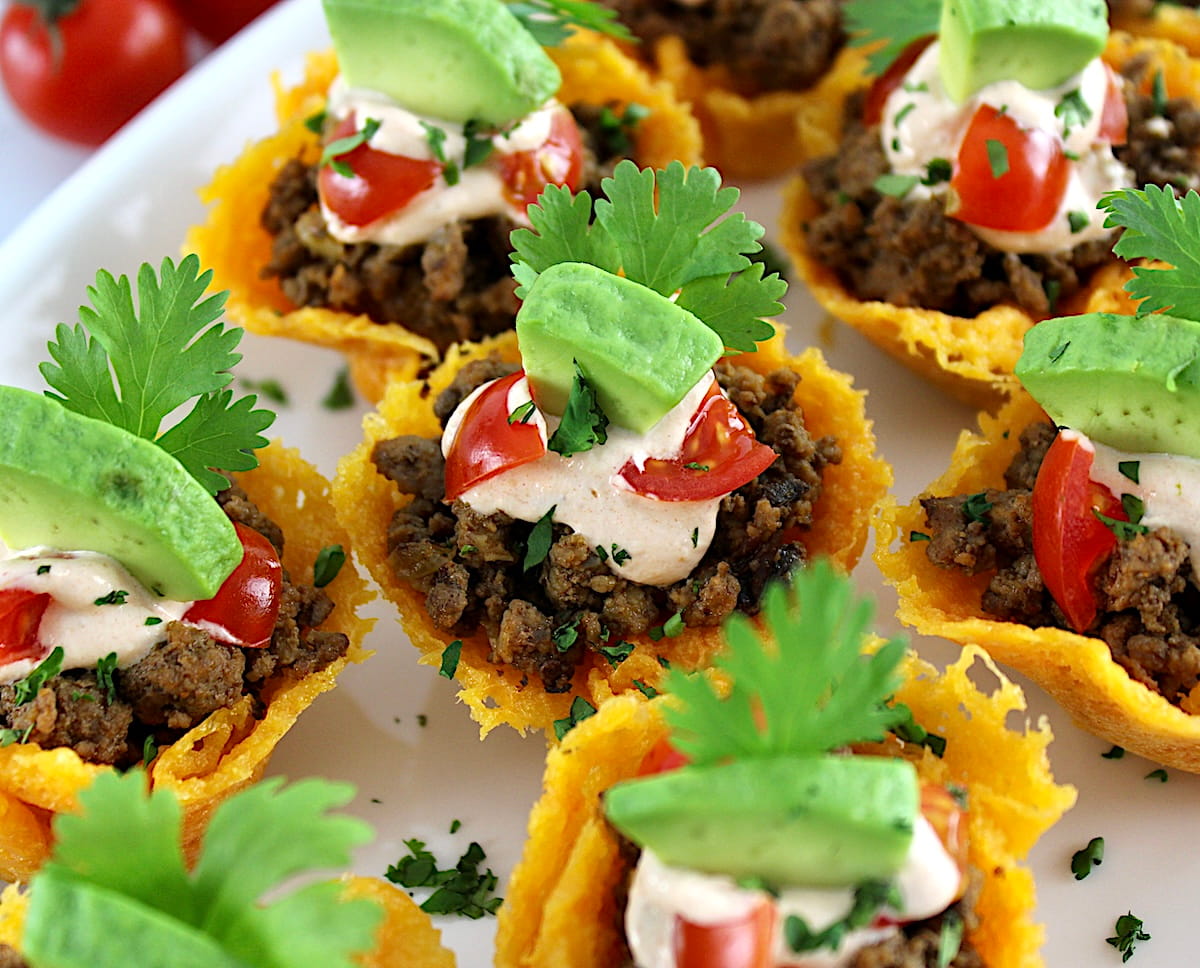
(972, 358)
(496, 694)
(560, 905)
(230, 749)
(235, 246)
(1077, 671)
(1167, 21)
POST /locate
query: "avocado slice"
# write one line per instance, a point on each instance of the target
(816, 821)
(1130, 382)
(457, 60)
(640, 351)
(77, 484)
(1037, 42)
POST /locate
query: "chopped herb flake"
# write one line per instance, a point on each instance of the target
(616, 654)
(10, 736)
(897, 186)
(329, 562)
(1078, 221)
(620, 555)
(422, 720)
(997, 157)
(537, 546)
(937, 171)
(919, 536)
(116, 597)
(601, 553)
(646, 690)
(869, 897)
(450, 657)
(581, 709)
(24, 690)
(315, 122)
(1059, 350)
(693, 465)
(1133, 506)
(152, 620)
(43, 569)
(1130, 469)
(1114, 753)
(565, 635)
(1158, 93)
(903, 113)
(695, 537)
(271, 389)
(1052, 288)
(673, 626)
(584, 424)
(104, 675)
(1073, 110)
(1159, 774)
(976, 507)
(340, 395)
(461, 889)
(455, 826)
(1084, 859)
(1124, 530)
(949, 938)
(522, 413)
(617, 129)
(149, 750)
(1129, 931)
(909, 730)
(479, 145)
(332, 155)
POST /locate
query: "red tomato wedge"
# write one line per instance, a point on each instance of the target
(719, 455)
(244, 610)
(382, 183)
(557, 162)
(21, 612)
(1114, 119)
(662, 758)
(1069, 541)
(486, 443)
(1007, 177)
(744, 942)
(889, 80)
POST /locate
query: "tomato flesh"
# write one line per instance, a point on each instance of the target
(1069, 541)
(557, 162)
(21, 612)
(486, 443)
(382, 183)
(1026, 197)
(889, 80)
(662, 758)
(744, 942)
(719, 455)
(244, 610)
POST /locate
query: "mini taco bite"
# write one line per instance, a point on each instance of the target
(420, 204)
(944, 254)
(604, 574)
(144, 619)
(616, 791)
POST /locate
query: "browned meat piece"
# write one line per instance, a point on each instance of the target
(1145, 573)
(72, 710)
(1035, 441)
(240, 509)
(414, 463)
(475, 374)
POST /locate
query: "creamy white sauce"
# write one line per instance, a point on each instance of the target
(479, 192)
(928, 883)
(87, 632)
(589, 496)
(934, 126)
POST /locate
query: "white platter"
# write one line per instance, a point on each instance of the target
(132, 202)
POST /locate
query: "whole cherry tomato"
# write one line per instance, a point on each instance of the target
(21, 613)
(741, 942)
(80, 69)
(244, 610)
(719, 455)
(1007, 177)
(1069, 541)
(889, 80)
(557, 162)
(218, 20)
(487, 442)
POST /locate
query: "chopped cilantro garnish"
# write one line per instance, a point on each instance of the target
(695, 537)
(616, 130)
(903, 113)
(693, 465)
(1160, 774)
(1052, 288)
(330, 560)
(581, 709)
(522, 413)
(1158, 93)
(1114, 753)
(937, 171)
(976, 507)
(537, 546)
(997, 157)
(898, 22)
(1084, 859)
(895, 185)
(565, 635)
(584, 424)
(1077, 221)
(270, 388)
(601, 553)
(1129, 931)
(115, 597)
(149, 750)
(450, 656)
(455, 826)
(340, 395)
(152, 620)
(620, 555)
(869, 897)
(1131, 469)
(1124, 530)
(1134, 507)
(332, 155)
(909, 730)
(24, 690)
(919, 536)
(461, 889)
(553, 21)
(645, 689)
(43, 569)
(1073, 110)
(315, 122)
(673, 626)
(422, 720)
(104, 675)
(10, 736)
(77, 696)
(616, 654)
(479, 144)
(436, 139)
(949, 938)
(466, 550)
(1159, 227)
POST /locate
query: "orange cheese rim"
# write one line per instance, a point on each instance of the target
(1077, 671)
(559, 907)
(497, 694)
(230, 749)
(971, 358)
(235, 246)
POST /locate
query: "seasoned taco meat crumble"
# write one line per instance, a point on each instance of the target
(183, 679)
(543, 621)
(1149, 607)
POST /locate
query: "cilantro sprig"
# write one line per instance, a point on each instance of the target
(812, 692)
(133, 367)
(553, 21)
(890, 24)
(670, 230)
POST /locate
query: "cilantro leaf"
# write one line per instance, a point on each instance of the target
(1157, 226)
(562, 232)
(897, 23)
(734, 307)
(218, 433)
(837, 699)
(553, 21)
(583, 424)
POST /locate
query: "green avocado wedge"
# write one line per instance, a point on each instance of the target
(1130, 382)
(77, 484)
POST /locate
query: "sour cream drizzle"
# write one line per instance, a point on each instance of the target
(87, 632)
(479, 192)
(921, 122)
(588, 495)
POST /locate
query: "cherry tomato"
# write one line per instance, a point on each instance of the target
(486, 443)
(382, 183)
(557, 162)
(889, 80)
(1025, 196)
(1069, 542)
(21, 613)
(719, 455)
(111, 58)
(662, 758)
(1114, 117)
(218, 20)
(244, 610)
(744, 942)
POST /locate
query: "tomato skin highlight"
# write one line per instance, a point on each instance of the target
(244, 610)
(218, 20)
(486, 443)
(116, 57)
(1027, 196)
(557, 162)
(1069, 541)
(21, 612)
(883, 86)
(744, 942)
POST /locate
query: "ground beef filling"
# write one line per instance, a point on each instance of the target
(456, 286)
(1149, 607)
(766, 45)
(909, 253)
(183, 679)
(544, 620)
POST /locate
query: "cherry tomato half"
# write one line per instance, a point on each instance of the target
(1007, 177)
(382, 183)
(719, 455)
(557, 162)
(244, 610)
(1069, 542)
(21, 612)
(218, 20)
(486, 443)
(889, 80)
(111, 59)
(744, 942)
(1114, 118)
